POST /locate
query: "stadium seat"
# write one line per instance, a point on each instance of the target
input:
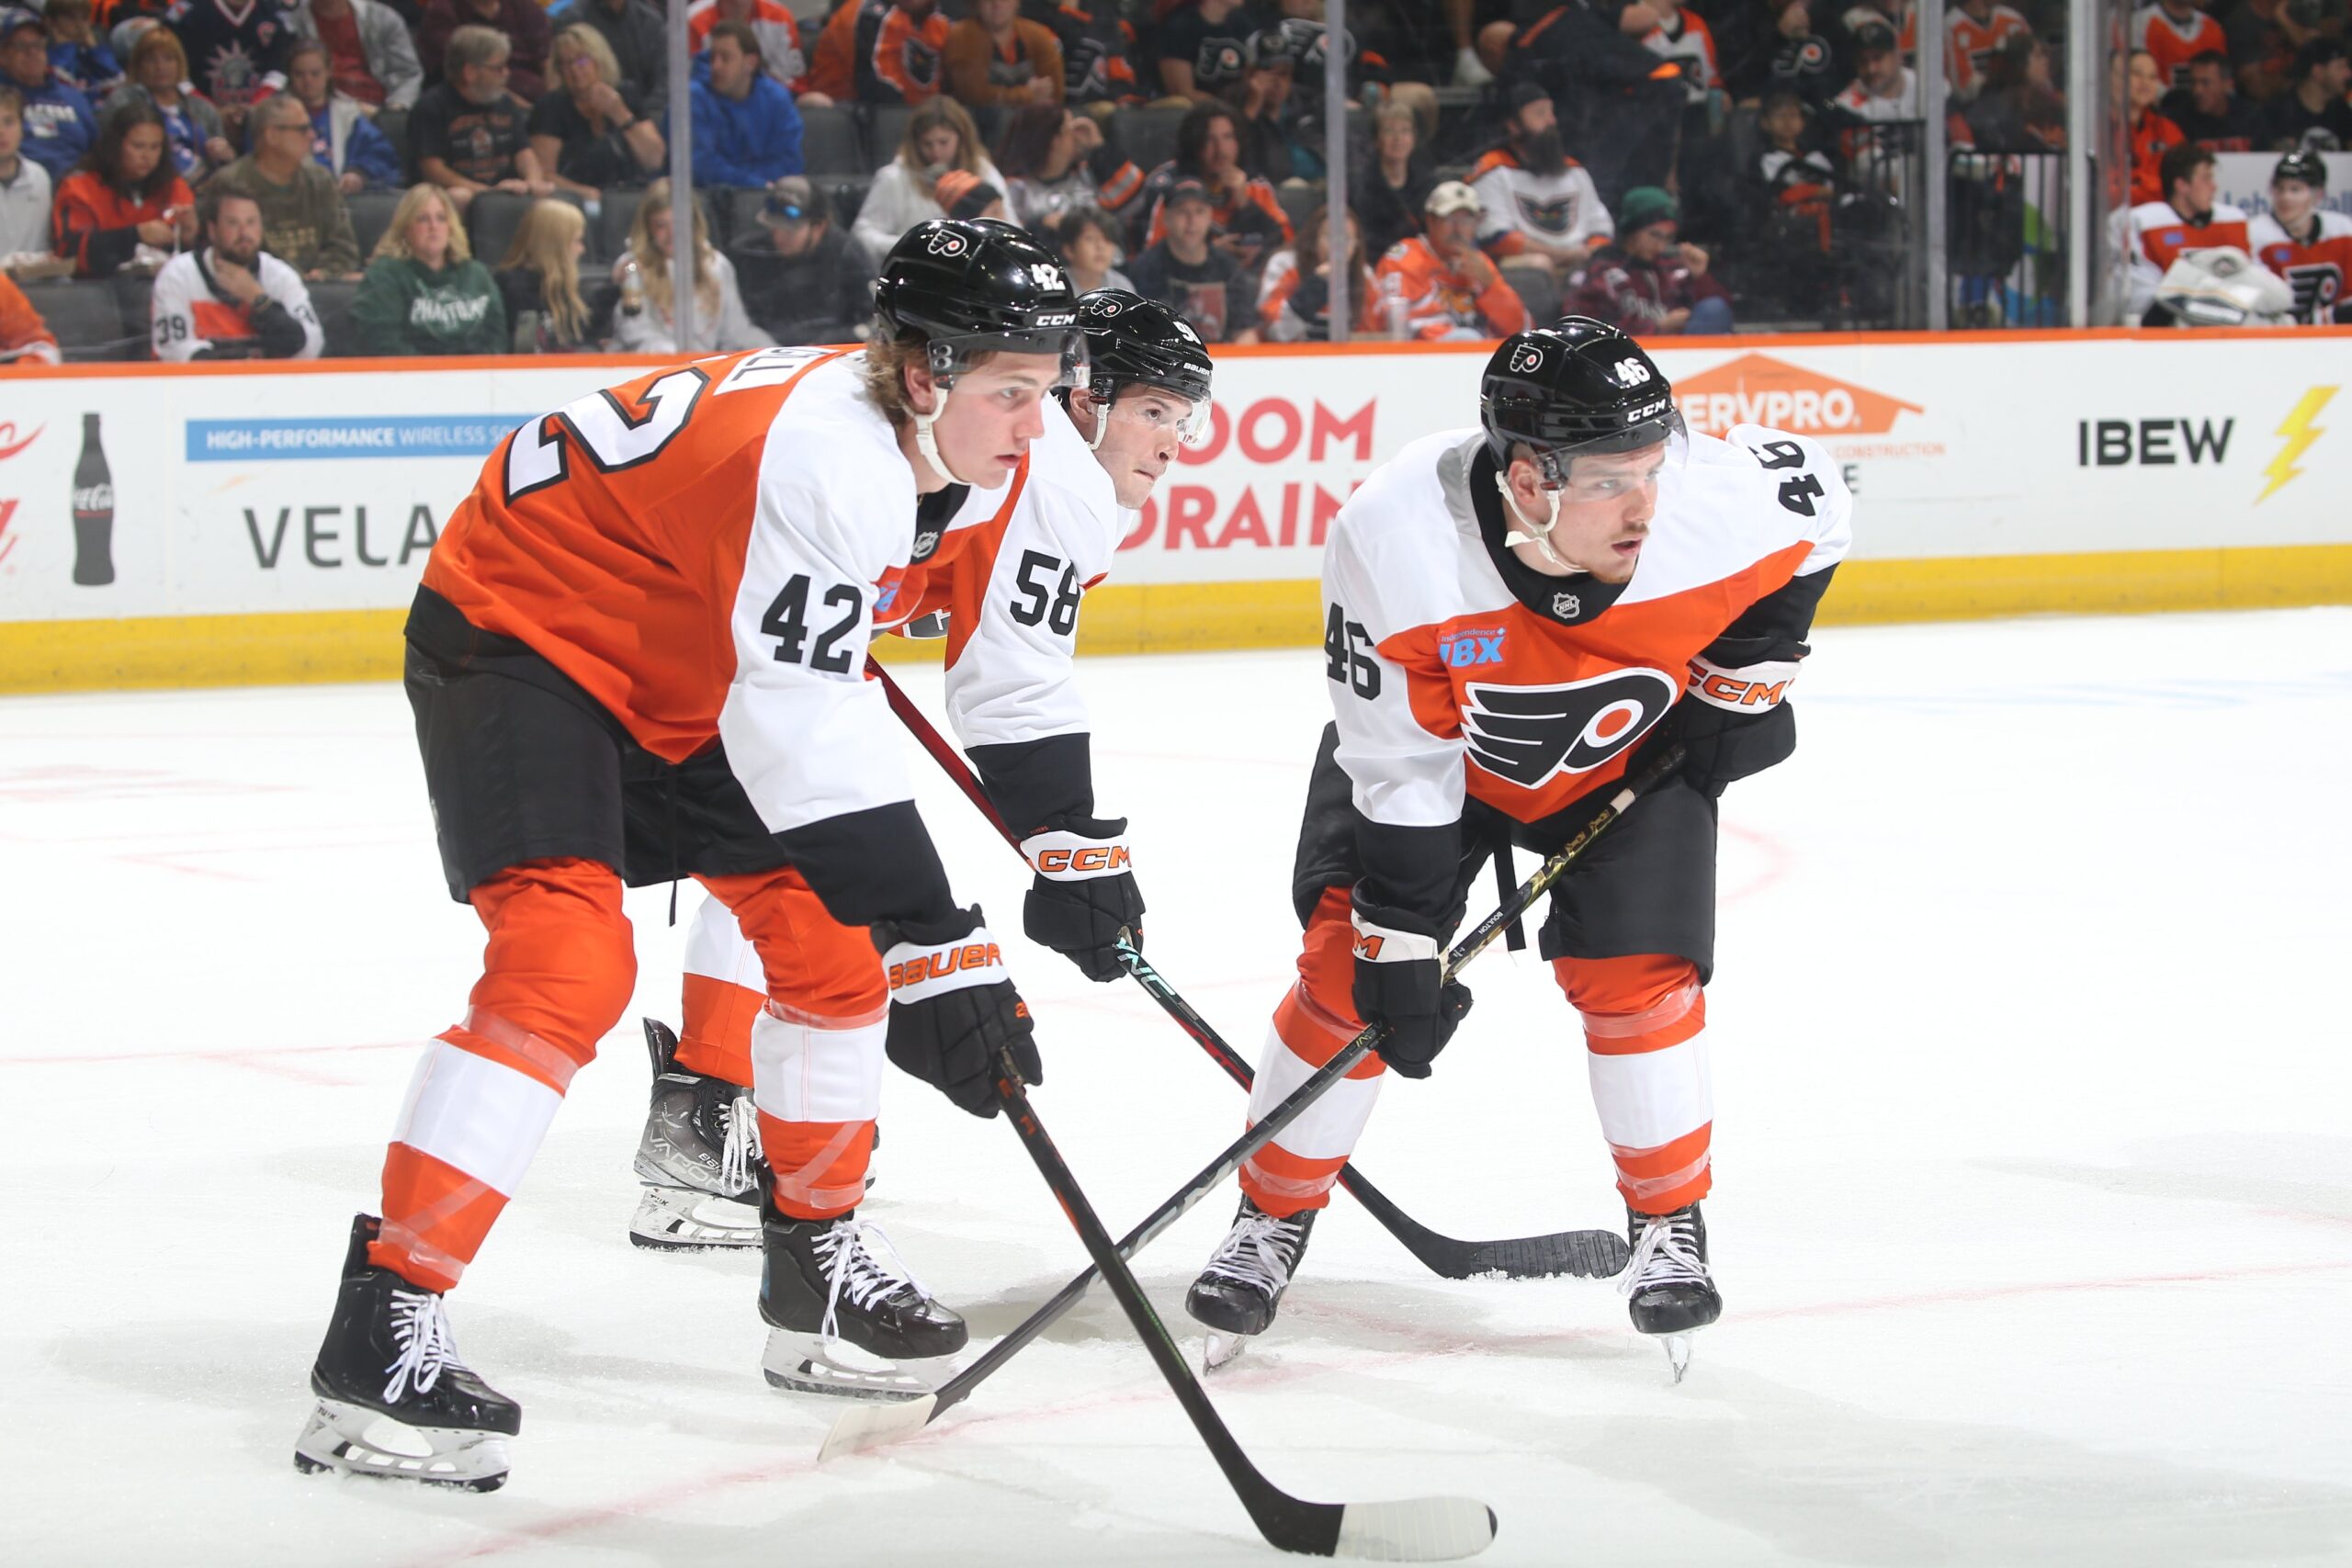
(332, 302)
(371, 214)
(612, 225)
(135, 302)
(1537, 291)
(990, 120)
(847, 195)
(1147, 137)
(830, 143)
(491, 221)
(86, 319)
(1298, 202)
(393, 123)
(739, 215)
(886, 127)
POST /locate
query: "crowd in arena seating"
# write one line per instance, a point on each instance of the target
(466, 176)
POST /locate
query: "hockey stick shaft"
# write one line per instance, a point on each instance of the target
(1593, 1254)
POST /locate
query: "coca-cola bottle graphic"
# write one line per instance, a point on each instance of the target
(93, 511)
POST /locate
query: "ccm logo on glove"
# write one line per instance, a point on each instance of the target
(1741, 691)
(1067, 857)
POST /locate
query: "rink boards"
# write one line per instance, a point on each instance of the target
(269, 524)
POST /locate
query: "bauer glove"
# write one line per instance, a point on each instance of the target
(1085, 894)
(952, 1008)
(1400, 983)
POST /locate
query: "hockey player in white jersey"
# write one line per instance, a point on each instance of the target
(1007, 574)
(1513, 610)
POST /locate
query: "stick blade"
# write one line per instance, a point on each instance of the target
(872, 1424)
(1587, 1255)
(1415, 1529)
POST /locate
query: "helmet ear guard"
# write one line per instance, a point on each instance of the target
(1134, 342)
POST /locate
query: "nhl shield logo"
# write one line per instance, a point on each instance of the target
(1566, 607)
(947, 242)
(1526, 359)
(925, 542)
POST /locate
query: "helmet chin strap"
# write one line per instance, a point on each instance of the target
(1100, 409)
(1538, 535)
(927, 443)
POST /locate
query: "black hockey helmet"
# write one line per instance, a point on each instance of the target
(1579, 386)
(969, 287)
(1134, 342)
(2302, 164)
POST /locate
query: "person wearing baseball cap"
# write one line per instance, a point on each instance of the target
(1542, 209)
(803, 280)
(1647, 283)
(1201, 280)
(1439, 287)
(60, 124)
(1884, 88)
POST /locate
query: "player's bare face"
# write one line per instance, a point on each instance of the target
(1140, 438)
(995, 411)
(2291, 201)
(1604, 517)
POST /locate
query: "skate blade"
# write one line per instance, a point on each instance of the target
(678, 1219)
(1222, 1347)
(1678, 1352)
(349, 1439)
(811, 1363)
(872, 1424)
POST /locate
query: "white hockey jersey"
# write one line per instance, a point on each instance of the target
(190, 316)
(2317, 271)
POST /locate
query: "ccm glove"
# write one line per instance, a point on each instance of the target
(1399, 965)
(1734, 722)
(952, 1008)
(1085, 893)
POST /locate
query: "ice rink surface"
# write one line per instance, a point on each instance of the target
(2033, 1151)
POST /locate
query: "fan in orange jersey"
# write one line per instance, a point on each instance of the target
(2189, 219)
(1008, 575)
(899, 52)
(635, 654)
(2175, 33)
(2152, 135)
(2305, 244)
(1512, 610)
(1973, 31)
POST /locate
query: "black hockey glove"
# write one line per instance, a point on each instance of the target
(1085, 894)
(952, 1008)
(1400, 964)
(1732, 722)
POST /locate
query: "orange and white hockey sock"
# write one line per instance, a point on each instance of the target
(1645, 1048)
(1314, 1024)
(818, 1085)
(725, 989)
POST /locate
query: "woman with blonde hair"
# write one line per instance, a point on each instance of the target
(538, 281)
(940, 137)
(590, 129)
(645, 321)
(424, 293)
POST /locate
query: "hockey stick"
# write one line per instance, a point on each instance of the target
(1592, 1254)
(872, 1424)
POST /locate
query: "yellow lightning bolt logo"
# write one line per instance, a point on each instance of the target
(2300, 434)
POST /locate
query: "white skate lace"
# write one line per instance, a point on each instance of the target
(421, 1327)
(742, 1145)
(853, 1272)
(1258, 1252)
(1667, 1254)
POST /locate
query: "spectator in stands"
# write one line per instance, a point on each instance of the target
(1055, 160)
(76, 53)
(239, 56)
(24, 336)
(1200, 49)
(302, 217)
(1183, 269)
(590, 129)
(539, 283)
(2152, 135)
(371, 58)
(1974, 29)
(1626, 104)
(645, 276)
(1792, 193)
(1682, 39)
(1388, 189)
(2208, 111)
(2313, 112)
(1089, 244)
(1295, 296)
(1884, 88)
(640, 42)
(2263, 37)
(2187, 218)
(939, 137)
(1250, 220)
(192, 127)
(230, 299)
(344, 141)
(25, 193)
(1278, 144)
(468, 134)
(521, 23)
(122, 195)
(1645, 281)
(424, 293)
(995, 57)
(59, 125)
(802, 281)
(1439, 287)
(747, 133)
(2175, 33)
(898, 51)
(1098, 48)
(1538, 205)
(1792, 56)
(778, 32)
(2020, 110)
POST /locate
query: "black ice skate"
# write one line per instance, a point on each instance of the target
(1237, 1293)
(1667, 1287)
(699, 1158)
(394, 1400)
(839, 1318)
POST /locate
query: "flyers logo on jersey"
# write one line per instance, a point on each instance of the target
(1528, 735)
(1091, 860)
(947, 960)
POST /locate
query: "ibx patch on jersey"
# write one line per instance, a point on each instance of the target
(1472, 646)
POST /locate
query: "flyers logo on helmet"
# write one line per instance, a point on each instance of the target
(1530, 734)
(1526, 359)
(947, 242)
(1103, 306)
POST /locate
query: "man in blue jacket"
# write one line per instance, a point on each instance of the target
(59, 125)
(747, 131)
